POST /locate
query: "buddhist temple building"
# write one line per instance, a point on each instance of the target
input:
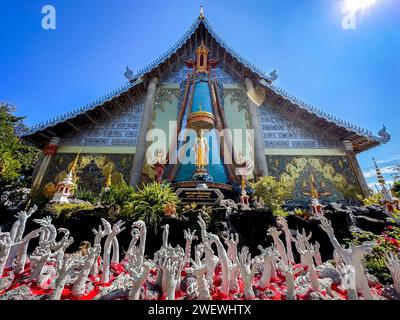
(202, 84)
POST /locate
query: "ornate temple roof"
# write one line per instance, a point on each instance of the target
(278, 98)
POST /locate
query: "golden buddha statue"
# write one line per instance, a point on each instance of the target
(201, 151)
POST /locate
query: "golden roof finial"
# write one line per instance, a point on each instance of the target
(201, 16)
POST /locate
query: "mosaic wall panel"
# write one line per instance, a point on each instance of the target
(331, 176)
(165, 110)
(93, 170)
(121, 129)
(280, 132)
(237, 117)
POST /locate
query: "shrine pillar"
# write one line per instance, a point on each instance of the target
(362, 183)
(48, 154)
(259, 152)
(140, 154)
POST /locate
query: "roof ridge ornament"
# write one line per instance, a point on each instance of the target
(202, 16)
(129, 74)
(385, 136)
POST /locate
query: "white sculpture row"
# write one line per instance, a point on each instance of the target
(170, 263)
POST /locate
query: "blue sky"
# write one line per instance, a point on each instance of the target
(353, 74)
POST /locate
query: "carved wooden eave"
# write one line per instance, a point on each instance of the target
(232, 62)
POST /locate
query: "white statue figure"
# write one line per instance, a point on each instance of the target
(247, 272)
(223, 259)
(308, 254)
(289, 272)
(5, 248)
(278, 243)
(112, 233)
(393, 264)
(22, 253)
(139, 276)
(80, 284)
(354, 256)
(269, 257)
(232, 243)
(300, 240)
(288, 237)
(189, 237)
(63, 270)
(99, 234)
(317, 257)
(199, 269)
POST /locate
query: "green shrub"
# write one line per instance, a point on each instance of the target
(271, 191)
(86, 195)
(66, 210)
(119, 194)
(374, 199)
(396, 188)
(148, 204)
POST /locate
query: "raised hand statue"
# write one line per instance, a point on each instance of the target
(139, 275)
(5, 247)
(247, 272)
(112, 233)
(288, 237)
(22, 217)
(131, 253)
(393, 264)
(171, 275)
(317, 256)
(308, 254)
(278, 243)
(189, 237)
(300, 241)
(269, 256)
(99, 234)
(39, 258)
(80, 284)
(352, 256)
(289, 272)
(232, 243)
(223, 259)
(63, 270)
(199, 269)
(22, 253)
(141, 225)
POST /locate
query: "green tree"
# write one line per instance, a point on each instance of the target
(17, 159)
(396, 188)
(271, 191)
(149, 204)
